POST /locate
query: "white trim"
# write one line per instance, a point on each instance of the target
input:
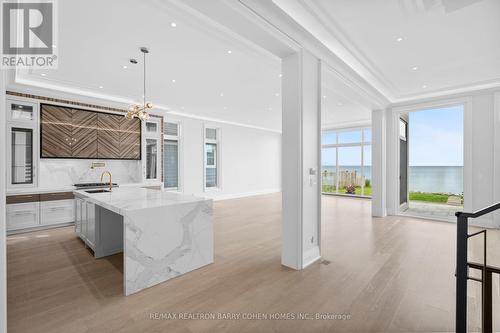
(211, 27)
(217, 165)
(158, 137)
(313, 24)
(176, 138)
(496, 156)
(311, 256)
(220, 197)
(310, 16)
(346, 125)
(220, 121)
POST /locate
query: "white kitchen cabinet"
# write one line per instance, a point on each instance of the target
(21, 143)
(83, 233)
(78, 216)
(57, 212)
(23, 215)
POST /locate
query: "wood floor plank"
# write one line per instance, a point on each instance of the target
(390, 275)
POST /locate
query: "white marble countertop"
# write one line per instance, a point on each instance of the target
(124, 199)
(68, 188)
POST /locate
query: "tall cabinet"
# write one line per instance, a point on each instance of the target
(22, 144)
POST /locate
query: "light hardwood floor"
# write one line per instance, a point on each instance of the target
(391, 274)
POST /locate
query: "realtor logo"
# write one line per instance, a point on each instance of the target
(28, 34)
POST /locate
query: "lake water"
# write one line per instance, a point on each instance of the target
(436, 179)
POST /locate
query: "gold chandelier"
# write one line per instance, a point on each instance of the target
(138, 110)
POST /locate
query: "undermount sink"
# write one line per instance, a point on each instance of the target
(97, 191)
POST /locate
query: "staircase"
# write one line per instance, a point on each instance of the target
(463, 268)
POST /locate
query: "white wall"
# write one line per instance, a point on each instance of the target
(250, 159)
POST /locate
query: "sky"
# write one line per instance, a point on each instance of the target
(435, 139)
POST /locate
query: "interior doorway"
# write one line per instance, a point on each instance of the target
(431, 162)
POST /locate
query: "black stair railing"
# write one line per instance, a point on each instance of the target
(462, 272)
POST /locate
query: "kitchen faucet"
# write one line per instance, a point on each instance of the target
(110, 182)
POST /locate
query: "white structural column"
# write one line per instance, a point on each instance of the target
(301, 84)
(379, 195)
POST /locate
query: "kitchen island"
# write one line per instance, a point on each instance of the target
(162, 234)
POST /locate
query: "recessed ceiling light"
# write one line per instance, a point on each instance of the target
(100, 87)
(414, 68)
(43, 74)
(229, 51)
(173, 24)
(280, 75)
(324, 96)
(221, 94)
(125, 67)
(399, 39)
(173, 80)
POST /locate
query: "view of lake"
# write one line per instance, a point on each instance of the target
(435, 179)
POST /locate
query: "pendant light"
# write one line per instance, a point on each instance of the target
(137, 110)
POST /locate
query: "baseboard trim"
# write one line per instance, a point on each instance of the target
(243, 195)
(311, 256)
(39, 228)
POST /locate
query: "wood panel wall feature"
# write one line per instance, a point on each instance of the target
(108, 139)
(130, 138)
(68, 132)
(56, 131)
(84, 134)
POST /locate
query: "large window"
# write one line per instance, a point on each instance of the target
(211, 158)
(171, 156)
(346, 162)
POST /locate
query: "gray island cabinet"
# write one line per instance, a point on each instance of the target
(162, 234)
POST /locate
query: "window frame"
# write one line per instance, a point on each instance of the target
(157, 136)
(362, 144)
(217, 166)
(176, 138)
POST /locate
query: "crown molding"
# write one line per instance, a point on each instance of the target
(204, 24)
(23, 85)
(348, 124)
(312, 17)
(455, 90)
(329, 23)
(221, 121)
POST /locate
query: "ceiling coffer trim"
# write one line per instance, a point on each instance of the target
(65, 101)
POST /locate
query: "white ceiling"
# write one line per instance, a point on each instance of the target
(97, 38)
(341, 105)
(454, 44)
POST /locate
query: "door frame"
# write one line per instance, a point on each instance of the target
(393, 180)
(406, 119)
